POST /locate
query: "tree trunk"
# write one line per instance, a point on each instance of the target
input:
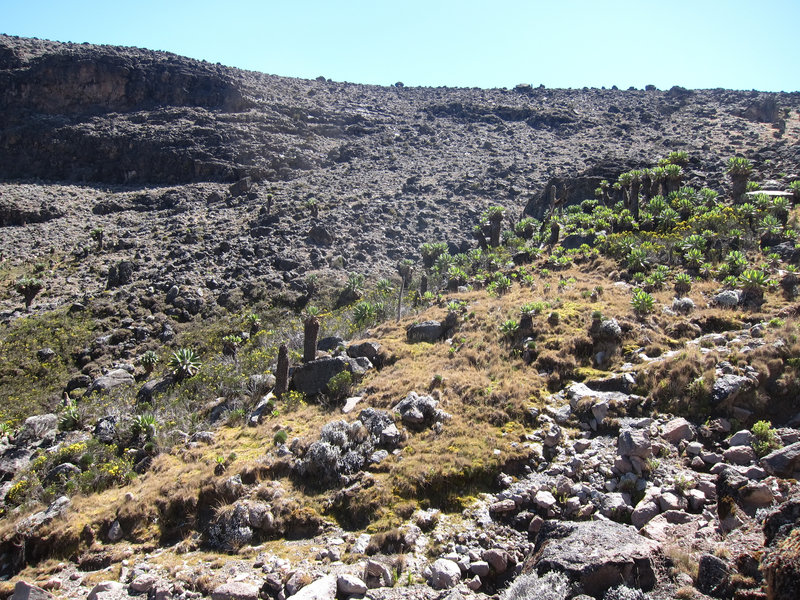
(282, 372)
(739, 187)
(634, 200)
(495, 225)
(310, 333)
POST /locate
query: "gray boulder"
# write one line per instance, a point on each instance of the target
(231, 528)
(428, 331)
(607, 330)
(235, 590)
(37, 428)
(106, 590)
(154, 387)
(420, 411)
(350, 585)
(783, 462)
(727, 298)
(677, 430)
(36, 520)
(63, 471)
(445, 574)
(634, 442)
(27, 591)
(369, 350)
(111, 380)
(683, 306)
(597, 555)
(713, 576)
(727, 388)
(312, 377)
(377, 574)
(105, 430)
(330, 343)
(323, 588)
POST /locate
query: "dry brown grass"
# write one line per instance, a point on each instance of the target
(485, 385)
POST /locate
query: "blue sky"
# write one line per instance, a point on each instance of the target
(559, 43)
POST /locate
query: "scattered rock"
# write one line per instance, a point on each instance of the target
(323, 588)
(350, 585)
(235, 590)
(111, 380)
(597, 555)
(106, 590)
(783, 462)
(27, 591)
(445, 574)
(713, 576)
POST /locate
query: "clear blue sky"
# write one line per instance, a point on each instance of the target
(739, 44)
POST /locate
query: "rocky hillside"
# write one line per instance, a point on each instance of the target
(272, 338)
(342, 177)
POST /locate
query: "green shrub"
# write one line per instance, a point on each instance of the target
(683, 283)
(765, 439)
(28, 288)
(340, 386)
(642, 302)
(509, 327)
(364, 314)
(145, 424)
(149, 360)
(280, 437)
(499, 286)
(184, 363)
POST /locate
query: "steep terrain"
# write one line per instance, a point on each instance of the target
(360, 175)
(266, 337)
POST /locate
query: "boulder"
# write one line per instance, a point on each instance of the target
(111, 380)
(61, 472)
(644, 512)
(330, 343)
(677, 430)
(27, 591)
(740, 455)
(498, 559)
(683, 306)
(312, 377)
(153, 387)
(231, 528)
(37, 428)
(350, 585)
(420, 411)
(445, 574)
(235, 590)
(634, 442)
(14, 459)
(740, 438)
(106, 590)
(428, 331)
(713, 576)
(783, 462)
(105, 430)
(323, 588)
(597, 555)
(727, 388)
(377, 574)
(369, 350)
(727, 298)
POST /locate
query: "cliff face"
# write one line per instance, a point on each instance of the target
(114, 115)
